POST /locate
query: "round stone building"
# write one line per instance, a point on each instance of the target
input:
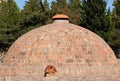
(65, 46)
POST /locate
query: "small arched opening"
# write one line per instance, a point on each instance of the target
(50, 70)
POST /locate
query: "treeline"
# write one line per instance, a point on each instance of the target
(91, 14)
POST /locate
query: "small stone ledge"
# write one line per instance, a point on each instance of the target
(64, 78)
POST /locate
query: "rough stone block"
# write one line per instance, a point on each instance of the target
(2, 79)
(8, 78)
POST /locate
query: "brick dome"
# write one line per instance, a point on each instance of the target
(62, 45)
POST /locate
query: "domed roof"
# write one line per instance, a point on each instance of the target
(60, 44)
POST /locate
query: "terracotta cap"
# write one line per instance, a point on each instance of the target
(60, 16)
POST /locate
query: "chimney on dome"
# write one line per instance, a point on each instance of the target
(60, 17)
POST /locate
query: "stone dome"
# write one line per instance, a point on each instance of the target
(60, 44)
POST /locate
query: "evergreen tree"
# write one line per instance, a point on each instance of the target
(109, 27)
(96, 19)
(93, 14)
(9, 20)
(31, 12)
(116, 18)
(46, 5)
(47, 12)
(32, 15)
(72, 8)
(116, 13)
(75, 11)
(60, 7)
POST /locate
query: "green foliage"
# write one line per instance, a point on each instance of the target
(35, 14)
(47, 12)
(91, 14)
(72, 8)
(115, 38)
(32, 13)
(75, 11)
(60, 7)
(97, 19)
(117, 7)
(116, 18)
(116, 13)
(9, 19)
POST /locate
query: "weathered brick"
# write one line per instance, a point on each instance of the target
(70, 48)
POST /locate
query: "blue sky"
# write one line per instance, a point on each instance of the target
(21, 3)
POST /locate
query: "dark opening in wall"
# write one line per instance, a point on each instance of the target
(50, 70)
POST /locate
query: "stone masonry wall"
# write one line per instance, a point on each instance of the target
(63, 71)
(118, 61)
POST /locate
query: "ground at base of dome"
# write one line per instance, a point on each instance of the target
(66, 78)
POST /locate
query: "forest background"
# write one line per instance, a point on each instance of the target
(90, 14)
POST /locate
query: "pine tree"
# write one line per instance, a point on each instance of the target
(47, 12)
(32, 15)
(60, 7)
(72, 8)
(75, 11)
(31, 12)
(93, 13)
(9, 20)
(96, 18)
(116, 18)
(46, 5)
(116, 13)
(109, 27)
